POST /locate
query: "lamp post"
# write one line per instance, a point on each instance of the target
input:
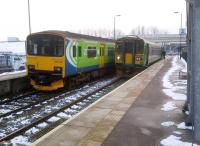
(180, 30)
(114, 26)
(29, 17)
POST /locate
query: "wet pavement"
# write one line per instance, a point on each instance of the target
(155, 116)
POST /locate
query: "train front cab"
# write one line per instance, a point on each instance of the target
(45, 61)
(129, 54)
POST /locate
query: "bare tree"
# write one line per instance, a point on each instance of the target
(142, 30)
(106, 33)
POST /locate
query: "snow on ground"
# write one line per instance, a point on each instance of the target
(42, 125)
(170, 89)
(70, 110)
(3, 111)
(177, 132)
(14, 47)
(62, 115)
(167, 124)
(19, 113)
(174, 95)
(32, 131)
(37, 105)
(53, 119)
(176, 89)
(76, 107)
(169, 106)
(13, 72)
(25, 122)
(20, 140)
(175, 141)
(187, 112)
(183, 126)
(185, 65)
(2, 134)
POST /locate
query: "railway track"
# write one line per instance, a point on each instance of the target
(7, 100)
(69, 104)
(20, 103)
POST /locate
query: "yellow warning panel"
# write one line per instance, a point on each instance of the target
(128, 58)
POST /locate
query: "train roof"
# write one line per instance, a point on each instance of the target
(134, 37)
(129, 38)
(74, 35)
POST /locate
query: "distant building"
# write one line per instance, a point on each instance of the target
(13, 39)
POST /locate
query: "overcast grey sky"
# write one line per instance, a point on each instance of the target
(74, 15)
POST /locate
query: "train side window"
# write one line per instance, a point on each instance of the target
(35, 49)
(74, 51)
(79, 51)
(91, 52)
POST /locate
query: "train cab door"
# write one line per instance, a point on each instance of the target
(129, 55)
(101, 55)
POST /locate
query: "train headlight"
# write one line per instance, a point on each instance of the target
(118, 57)
(58, 69)
(31, 67)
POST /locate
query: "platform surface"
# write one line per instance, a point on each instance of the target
(144, 111)
(156, 117)
(12, 75)
(93, 125)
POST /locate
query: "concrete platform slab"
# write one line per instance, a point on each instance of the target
(12, 75)
(91, 118)
(66, 136)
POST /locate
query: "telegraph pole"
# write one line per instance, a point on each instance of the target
(114, 37)
(29, 17)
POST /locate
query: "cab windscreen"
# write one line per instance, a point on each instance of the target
(45, 45)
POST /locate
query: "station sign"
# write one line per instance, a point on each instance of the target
(182, 31)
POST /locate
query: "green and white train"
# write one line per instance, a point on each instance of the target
(59, 58)
(134, 52)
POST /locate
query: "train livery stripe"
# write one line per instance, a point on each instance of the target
(70, 63)
(69, 53)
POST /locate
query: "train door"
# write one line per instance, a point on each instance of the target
(146, 54)
(129, 53)
(134, 51)
(75, 56)
(101, 55)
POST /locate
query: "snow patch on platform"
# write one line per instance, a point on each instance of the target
(169, 106)
(177, 132)
(183, 126)
(175, 141)
(175, 96)
(185, 65)
(167, 124)
(170, 89)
